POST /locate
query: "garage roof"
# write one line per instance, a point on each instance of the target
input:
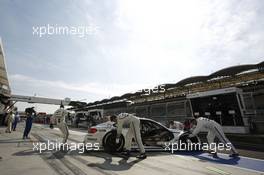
(229, 71)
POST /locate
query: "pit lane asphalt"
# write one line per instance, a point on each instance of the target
(18, 155)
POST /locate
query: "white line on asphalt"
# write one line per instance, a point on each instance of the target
(217, 170)
(254, 171)
(186, 158)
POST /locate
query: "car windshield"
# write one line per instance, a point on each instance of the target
(149, 126)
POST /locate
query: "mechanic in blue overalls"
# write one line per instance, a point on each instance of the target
(30, 112)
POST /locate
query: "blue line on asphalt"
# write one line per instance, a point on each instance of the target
(243, 162)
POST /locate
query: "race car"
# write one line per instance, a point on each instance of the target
(153, 135)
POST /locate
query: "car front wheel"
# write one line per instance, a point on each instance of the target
(109, 142)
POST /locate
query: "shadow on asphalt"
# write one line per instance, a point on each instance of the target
(123, 164)
(15, 141)
(28, 152)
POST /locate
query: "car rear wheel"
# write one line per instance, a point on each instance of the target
(85, 150)
(189, 143)
(109, 142)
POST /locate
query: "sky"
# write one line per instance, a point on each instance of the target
(135, 44)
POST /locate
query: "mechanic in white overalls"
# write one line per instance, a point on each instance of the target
(9, 120)
(59, 116)
(133, 132)
(214, 130)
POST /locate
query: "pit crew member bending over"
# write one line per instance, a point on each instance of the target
(214, 130)
(133, 132)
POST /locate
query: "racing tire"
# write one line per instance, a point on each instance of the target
(85, 150)
(192, 143)
(109, 142)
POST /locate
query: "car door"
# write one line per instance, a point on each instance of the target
(153, 134)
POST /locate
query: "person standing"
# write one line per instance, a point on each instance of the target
(59, 117)
(30, 112)
(9, 120)
(16, 119)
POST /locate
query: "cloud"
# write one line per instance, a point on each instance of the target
(140, 44)
(230, 34)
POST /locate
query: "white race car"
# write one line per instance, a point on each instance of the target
(153, 134)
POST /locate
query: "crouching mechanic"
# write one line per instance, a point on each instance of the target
(59, 116)
(133, 132)
(214, 130)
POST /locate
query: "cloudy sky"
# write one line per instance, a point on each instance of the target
(137, 43)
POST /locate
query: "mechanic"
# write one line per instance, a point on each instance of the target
(214, 130)
(133, 132)
(29, 113)
(9, 120)
(176, 125)
(16, 119)
(59, 116)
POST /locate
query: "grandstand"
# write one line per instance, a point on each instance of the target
(174, 104)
